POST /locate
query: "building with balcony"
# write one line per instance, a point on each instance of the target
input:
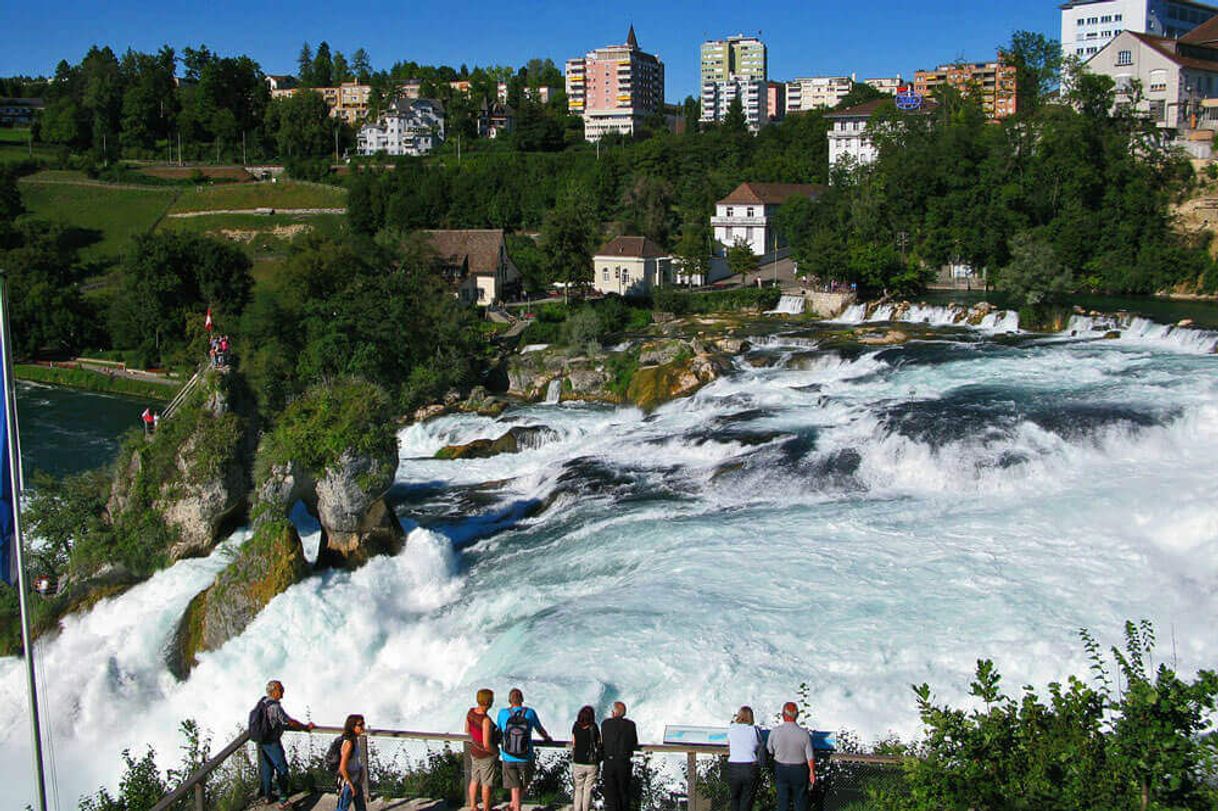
(348, 101)
(630, 266)
(746, 216)
(1089, 25)
(409, 127)
(17, 112)
(776, 100)
(817, 92)
(753, 94)
(615, 88)
(994, 84)
(1175, 77)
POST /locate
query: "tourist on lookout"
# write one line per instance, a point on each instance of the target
(271, 759)
(745, 752)
(585, 757)
(351, 767)
(482, 749)
(516, 724)
(619, 738)
(794, 763)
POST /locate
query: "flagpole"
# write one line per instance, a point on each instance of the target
(14, 466)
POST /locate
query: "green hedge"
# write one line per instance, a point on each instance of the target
(680, 302)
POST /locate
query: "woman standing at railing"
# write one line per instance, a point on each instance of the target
(745, 752)
(585, 757)
(351, 767)
(482, 749)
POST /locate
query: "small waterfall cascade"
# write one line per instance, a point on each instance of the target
(788, 305)
(553, 390)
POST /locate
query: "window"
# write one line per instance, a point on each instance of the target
(1116, 18)
(605, 275)
(1107, 18)
(749, 212)
(1125, 58)
(481, 293)
(1079, 51)
(1082, 21)
(729, 211)
(625, 276)
(1157, 110)
(1092, 50)
(1092, 20)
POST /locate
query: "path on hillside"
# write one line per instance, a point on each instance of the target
(99, 184)
(264, 211)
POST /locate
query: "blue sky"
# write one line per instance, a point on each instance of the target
(804, 37)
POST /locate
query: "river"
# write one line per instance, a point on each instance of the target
(859, 520)
(66, 431)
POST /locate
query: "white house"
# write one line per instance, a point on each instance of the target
(1175, 76)
(630, 266)
(408, 127)
(476, 263)
(848, 136)
(747, 214)
(1089, 25)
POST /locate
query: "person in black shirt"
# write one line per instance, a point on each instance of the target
(586, 757)
(619, 739)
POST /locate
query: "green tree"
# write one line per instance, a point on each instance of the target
(692, 253)
(301, 125)
(859, 93)
(741, 259)
(1034, 276)
(1037, 60)
(361, 66)
(734, 119)
(48, 309)
(304, 65)
(568, 238)
(322, 73)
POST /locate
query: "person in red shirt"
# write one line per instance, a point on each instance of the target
(482, 749)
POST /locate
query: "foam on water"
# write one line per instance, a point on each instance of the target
(858, 523)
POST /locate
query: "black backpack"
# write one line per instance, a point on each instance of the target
(334, 755)
(260, 725)
(517, 733)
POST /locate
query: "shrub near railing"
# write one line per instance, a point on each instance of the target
(680, 302)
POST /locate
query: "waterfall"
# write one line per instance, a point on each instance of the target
(553, 390)
(788, 305)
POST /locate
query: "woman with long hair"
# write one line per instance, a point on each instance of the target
(745, 748)
(351, 767)
(585, 757)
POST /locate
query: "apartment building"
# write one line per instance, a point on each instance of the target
(615, 88)
(348, 101)
(1176, 76)
(886, 84)
(408, 127)
(994, 83)
(817, 92)
(1089, 25)
(717, 98)
(848, 136)
(776, 100)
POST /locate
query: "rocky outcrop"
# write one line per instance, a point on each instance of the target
(517, 438)
(203, 508)
(356, 522)
(682, 374)
(266, 565)
(888, 338)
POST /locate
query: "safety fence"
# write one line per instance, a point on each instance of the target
(685, 778)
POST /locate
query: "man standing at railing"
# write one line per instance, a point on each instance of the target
(516, 723)
(267, 723)
(794, 763)
(619, 739)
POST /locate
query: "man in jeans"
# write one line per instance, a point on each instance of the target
(794, 764)
(619, 739)
(271, 758)
(518, 765)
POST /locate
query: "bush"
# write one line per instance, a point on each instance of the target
(681, 302)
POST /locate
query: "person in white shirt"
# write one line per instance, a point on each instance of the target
(744, 756)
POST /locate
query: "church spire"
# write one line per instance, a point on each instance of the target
(631, 39)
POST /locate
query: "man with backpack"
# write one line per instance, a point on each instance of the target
(516, 725)
(267, 723)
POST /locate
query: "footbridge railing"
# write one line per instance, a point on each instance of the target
(192, 790)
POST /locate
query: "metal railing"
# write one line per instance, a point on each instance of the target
(184, 392)
(196, 782)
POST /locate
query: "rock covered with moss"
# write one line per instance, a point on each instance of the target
(335, 450)
(267, 564)
(517, 438)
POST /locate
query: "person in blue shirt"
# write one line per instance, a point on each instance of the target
(516, 724)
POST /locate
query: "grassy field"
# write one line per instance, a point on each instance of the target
(284, 194)
(105, 218)
(14, 146)
(94, 381)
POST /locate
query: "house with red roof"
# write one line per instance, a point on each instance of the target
(476, 264)
(747, 214)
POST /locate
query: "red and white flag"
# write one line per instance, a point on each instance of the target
(147, 415)
(207, 325)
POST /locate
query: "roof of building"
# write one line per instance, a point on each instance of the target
(1167, 47)
(631, 39)
(1204, 34)
(480, 247)
(635, 247)
(771, 193)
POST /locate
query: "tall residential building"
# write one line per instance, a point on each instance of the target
(817, 92)
(615, 88)
(1089, 25)
(776, 100)
(994, 83)
(733, 67)
(717, 97)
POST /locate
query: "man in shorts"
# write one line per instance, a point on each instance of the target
(516, 724)
(482, 750)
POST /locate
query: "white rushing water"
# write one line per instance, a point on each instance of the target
(857, 521)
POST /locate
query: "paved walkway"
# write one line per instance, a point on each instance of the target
(265, 210)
